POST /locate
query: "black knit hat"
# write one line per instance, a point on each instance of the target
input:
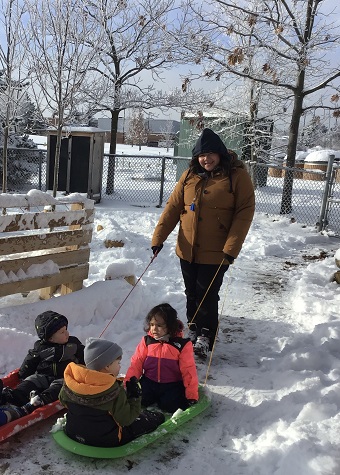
(210, 142)
(49, 322)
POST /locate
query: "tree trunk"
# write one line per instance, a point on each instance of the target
(286, 202)
(112, 160)
(57, 160)
(252, 135)
(4, 160)
(253, 117)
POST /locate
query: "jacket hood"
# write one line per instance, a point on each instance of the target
(237, 164)
(82, 380)
(210, 142)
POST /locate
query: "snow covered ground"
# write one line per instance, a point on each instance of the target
(274, 378)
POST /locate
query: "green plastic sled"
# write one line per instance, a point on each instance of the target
(170, 425)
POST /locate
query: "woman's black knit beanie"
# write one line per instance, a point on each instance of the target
(210, 142)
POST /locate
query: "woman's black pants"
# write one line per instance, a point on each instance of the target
(197, 278)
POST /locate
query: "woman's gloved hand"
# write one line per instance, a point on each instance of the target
(156, 249)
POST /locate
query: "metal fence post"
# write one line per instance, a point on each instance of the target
(40, 168)
(322, 216)
(161, 191)
(251, 169)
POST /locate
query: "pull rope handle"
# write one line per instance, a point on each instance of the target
(152, 259)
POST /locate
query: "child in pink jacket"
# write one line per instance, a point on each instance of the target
(164, 362)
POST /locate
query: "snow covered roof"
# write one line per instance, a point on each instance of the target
(321, 155)
(70, 129)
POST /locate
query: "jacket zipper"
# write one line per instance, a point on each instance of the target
(196, 218)
(55, 364)
(159, 363)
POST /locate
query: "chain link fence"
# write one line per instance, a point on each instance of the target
(140, 180)
(148, 180)
(315, 196)
(332, 211)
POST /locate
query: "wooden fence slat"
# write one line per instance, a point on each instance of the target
(28, 243)
(42, 220)
(76, 274)
(61, 258)
(61, 236)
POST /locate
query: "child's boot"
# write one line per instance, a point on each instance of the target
(1, 388)
(6, 395)
(9, 413)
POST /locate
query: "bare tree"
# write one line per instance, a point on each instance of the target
(168, 134)
(314, 133)
(290, 48)
(335, 136)
(137, 131)
(13, 82)
(136, 49)
(59, 60)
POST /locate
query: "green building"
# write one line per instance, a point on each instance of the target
(236, 132)
(230, 130)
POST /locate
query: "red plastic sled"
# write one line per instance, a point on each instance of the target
(39, 414)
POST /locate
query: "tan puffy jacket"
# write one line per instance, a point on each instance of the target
(214, 214)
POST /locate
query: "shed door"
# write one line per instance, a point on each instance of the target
(79, 169)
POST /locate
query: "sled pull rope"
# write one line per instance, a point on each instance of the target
(212, 280)
(218, 324)
(146, 268)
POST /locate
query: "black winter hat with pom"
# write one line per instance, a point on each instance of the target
(49, 322)
(210, 142)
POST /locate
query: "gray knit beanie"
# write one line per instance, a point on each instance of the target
(99, 353)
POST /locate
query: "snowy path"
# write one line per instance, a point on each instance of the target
(273, 378)
(246, 336)
(247, 370)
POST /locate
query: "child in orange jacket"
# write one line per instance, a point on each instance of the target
(164, 362)
(99, 412)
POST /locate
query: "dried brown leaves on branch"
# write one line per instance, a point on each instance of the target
(266, 68)
(279, 29)
(185, 84)
(236, 57)
(198, 121)
(252, 20)
(209, 73)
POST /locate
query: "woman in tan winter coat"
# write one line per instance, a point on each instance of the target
(214, 203)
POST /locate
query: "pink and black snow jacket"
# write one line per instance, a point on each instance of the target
(166, 362)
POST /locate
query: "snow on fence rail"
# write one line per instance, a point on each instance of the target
(44, 243)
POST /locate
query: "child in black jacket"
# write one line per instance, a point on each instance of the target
(42, 371)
